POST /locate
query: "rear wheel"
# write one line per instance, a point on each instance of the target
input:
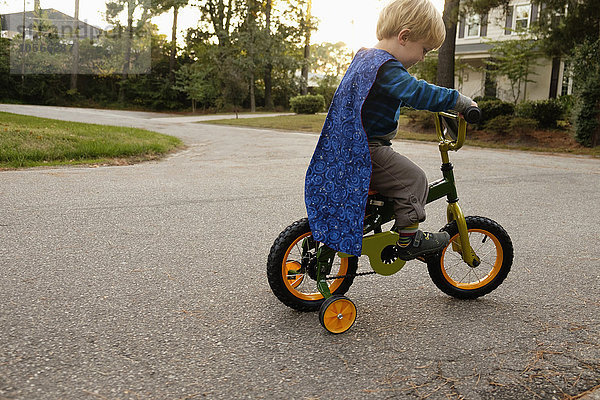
(291, 269)
(492, 245)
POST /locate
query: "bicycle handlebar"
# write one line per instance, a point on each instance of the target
(451, 128)
(472, 115)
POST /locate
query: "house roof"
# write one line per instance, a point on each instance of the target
(62, 22)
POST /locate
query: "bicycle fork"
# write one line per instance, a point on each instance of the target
(446, 187)
(455, 214)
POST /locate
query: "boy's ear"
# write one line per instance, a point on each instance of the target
(403, 36)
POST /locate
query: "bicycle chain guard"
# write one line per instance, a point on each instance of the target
(374, 246)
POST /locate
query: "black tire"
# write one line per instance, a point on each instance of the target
(491, 244)
(288, 269)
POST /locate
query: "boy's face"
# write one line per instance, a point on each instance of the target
(411, 52)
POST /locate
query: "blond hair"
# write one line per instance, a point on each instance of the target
(420, 16)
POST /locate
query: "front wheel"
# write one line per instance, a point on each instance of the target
(291, 269)
(492, 245)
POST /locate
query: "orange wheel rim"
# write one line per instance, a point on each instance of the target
(339, 316)
(293, 274)
(491, 261)
(292, 284)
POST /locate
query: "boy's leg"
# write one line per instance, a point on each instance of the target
(395, 176)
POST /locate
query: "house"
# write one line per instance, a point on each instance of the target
(57, 22)
(474, 77)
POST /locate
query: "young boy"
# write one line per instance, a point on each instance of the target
(354, 151)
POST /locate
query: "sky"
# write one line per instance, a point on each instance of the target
(350, 21)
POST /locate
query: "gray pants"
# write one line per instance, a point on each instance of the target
(397, 177)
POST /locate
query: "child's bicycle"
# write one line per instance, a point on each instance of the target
(308, 276)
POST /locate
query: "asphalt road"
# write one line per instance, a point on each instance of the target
(148, 281)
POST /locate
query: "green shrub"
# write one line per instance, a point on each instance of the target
(327, 87)
(491, 109)
(477, 99)
(587, 86)
(500, 124)
(545, 112)
(522, 125)
(308, 104)
(567, 101)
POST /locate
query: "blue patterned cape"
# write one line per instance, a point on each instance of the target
(338, 177)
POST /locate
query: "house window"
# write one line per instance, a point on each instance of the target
(473, 26)
(522, 13)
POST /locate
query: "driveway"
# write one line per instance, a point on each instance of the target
(148, 281)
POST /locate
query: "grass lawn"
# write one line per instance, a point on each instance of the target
(30, 141)
(298, 122)
(314, 123)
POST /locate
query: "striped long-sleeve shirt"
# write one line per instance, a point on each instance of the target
(394, 87)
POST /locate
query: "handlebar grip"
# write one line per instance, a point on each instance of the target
(472, 115)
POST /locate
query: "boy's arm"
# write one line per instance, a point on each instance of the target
(398, 83)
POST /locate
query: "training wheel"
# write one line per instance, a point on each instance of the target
(337, 314)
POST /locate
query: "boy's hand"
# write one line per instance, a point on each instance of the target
(473, 114)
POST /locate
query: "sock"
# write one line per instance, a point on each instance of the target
(407, 234)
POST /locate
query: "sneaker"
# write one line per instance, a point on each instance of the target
(423, 243)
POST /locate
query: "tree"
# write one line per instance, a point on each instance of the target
(175, 5)
(566, 24)
(572, 28)
(75, 67)
(195, 82)
(587, 99)
(514, 59)
(330, 59)
(268, 62)
(445, 71)
(452, 11)
(248, 47)
(113, 9)
(307, 26)
(219, 13)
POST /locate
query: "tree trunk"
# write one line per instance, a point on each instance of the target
(596, 135)
(252, 96)
(75, 65)
(268, 66)
(306, 64)
(445, 71)
(251, 26)
(525, 88)
(173, 45)
(128, 40)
